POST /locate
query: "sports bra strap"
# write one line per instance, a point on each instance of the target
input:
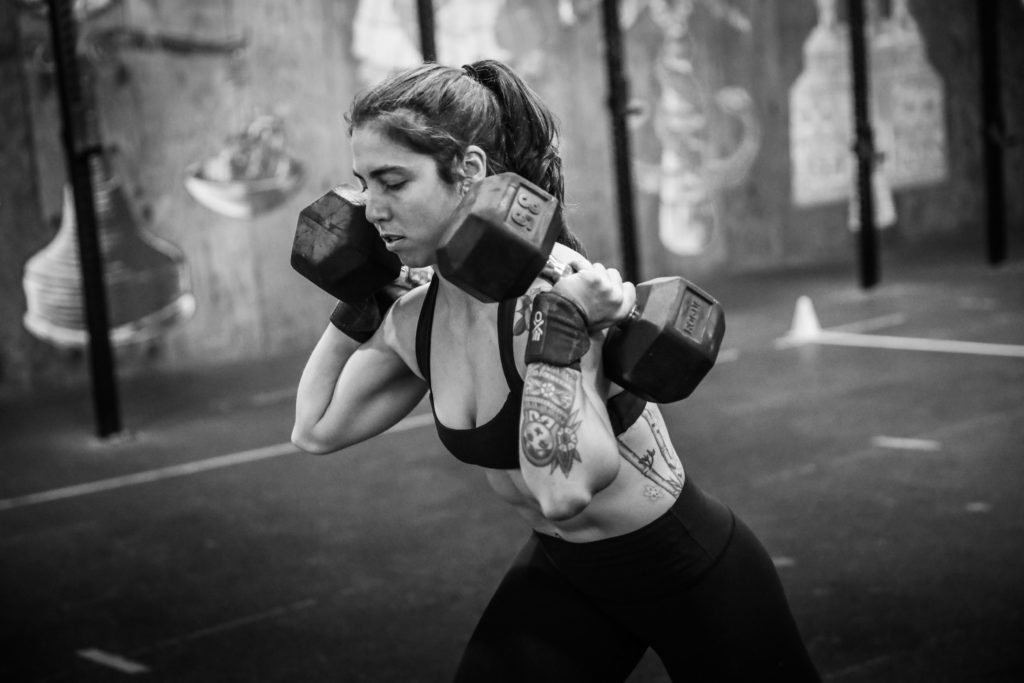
(506, 320)
(423, 327)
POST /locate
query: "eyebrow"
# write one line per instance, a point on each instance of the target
(378, 172)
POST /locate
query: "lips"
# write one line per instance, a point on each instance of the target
(391, 242)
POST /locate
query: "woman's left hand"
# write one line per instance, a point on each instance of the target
(599, 292)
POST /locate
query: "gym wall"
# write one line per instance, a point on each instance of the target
(712, 146)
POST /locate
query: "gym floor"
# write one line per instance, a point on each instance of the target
(200, 546)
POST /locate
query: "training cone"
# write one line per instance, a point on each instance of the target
(805, 320)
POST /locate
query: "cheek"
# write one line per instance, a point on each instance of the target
(438, 210)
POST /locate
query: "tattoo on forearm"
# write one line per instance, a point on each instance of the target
(549, 431)
(657, 464)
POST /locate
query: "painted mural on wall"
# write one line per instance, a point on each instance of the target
(386, 37)
(907, 110)
(250, 174)
(691, 171)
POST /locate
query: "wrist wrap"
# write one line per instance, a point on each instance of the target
(362, 319)
(358, 321)
(557, 332)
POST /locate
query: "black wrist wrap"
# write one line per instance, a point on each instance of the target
(557, 332)
(358, 321)
(362, 319)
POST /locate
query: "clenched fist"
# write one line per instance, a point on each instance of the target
(599, 292)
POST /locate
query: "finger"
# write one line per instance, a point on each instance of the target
(614, 278)
(580, 263)
(628, 300)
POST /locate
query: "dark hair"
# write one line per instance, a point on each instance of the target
(440, 110)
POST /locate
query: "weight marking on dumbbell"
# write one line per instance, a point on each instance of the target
(523, 218)
(529, 201)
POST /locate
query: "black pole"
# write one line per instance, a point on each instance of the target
(618, 95)
(864, 147)
(425, 13)
(82, 151)
(994, 129)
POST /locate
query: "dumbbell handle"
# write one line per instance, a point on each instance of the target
(554, 270)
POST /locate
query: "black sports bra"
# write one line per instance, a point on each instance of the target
(495, 445)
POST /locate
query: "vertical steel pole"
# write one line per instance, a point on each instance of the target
(428, 45)
(618, 96)
(864, 147)
(82, 149)
(993, 129)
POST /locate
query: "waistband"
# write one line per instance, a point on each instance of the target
(678, 546)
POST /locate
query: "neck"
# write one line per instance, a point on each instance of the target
(457, 300)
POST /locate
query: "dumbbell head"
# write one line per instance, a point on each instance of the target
(338, 250)
(665, 352)
(507, 230)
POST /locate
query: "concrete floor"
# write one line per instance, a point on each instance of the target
(154, 556)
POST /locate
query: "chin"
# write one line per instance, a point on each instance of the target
(416, 260)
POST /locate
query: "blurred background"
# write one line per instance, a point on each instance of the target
(209, 124)
(739, 117)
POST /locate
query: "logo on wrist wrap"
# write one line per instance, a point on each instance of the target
(538, 326)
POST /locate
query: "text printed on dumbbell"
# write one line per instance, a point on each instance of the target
(695, 315)
(528, 201)
(524, 208)
(522, 218)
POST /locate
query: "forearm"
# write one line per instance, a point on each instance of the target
(318, 384)
(567, 449)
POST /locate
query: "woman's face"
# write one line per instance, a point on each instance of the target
(408, 202)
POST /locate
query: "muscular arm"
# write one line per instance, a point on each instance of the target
(350, 392)
(567, 451)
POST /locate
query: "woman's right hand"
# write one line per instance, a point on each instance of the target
(361, 320)
(599, 292)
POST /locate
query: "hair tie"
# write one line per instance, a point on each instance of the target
(471, 72)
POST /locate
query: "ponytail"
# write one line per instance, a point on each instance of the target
(529, 134)
(528, 129)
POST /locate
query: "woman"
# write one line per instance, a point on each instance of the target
(626, 552)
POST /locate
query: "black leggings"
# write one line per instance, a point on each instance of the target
(695, 585)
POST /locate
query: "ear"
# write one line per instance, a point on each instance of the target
(474, 164)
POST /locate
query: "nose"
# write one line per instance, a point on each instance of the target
(377, 210)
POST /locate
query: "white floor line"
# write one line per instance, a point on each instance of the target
(902, 443)
(807, 330)
(181, 470)
(112, 661)
(231, 625)
(881, 322)
(833, 338)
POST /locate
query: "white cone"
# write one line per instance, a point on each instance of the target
(805, 320)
